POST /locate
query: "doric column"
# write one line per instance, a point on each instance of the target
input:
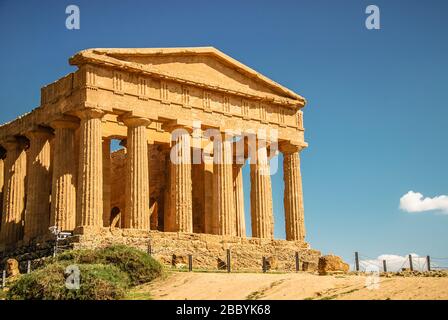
(210, 225)
(224, 206)
(238, 190)
(181, 202)
(63, 191)
(2, 177)
(168, 218)
(37, 217)
(13, 191)
(262, 219)
(137, 176)
(293, 196)
(106, 182)
(89, 213)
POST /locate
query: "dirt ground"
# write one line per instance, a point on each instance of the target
(203, 286)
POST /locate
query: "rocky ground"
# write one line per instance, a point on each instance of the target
(195, 285)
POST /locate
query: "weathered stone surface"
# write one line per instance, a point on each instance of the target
(12, 268)
(293, 195)
(221, 264)
(180, 217)
(63, 196)
(224, 203)
(309, 266)
(246, 254)
(90, 172)
(137, 186)
(179, 261)
(332, 264)
(271, 263)
(239, 200)
(107, 184)
(262, 218)
(13, 192)
(39, 184)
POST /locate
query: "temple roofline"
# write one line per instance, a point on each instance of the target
(96, 54)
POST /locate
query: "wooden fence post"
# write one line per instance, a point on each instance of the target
(357, 261)
(28, 266)
(55, 247)
(428, 262)
(149, 248)
(384, 266)
(297, 262)
(411, 266)
(190, 262)
(228, 260)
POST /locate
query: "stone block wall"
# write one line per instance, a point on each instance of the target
(208, 250)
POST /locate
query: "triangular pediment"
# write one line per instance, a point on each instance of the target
(205, 65)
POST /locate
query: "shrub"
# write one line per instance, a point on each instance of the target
(97, 281)
(104, 274)
(140, 266)
(78, 256)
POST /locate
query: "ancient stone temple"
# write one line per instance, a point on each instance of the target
(172, 180)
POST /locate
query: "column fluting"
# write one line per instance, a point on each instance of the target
(63, 191)
(262, 219)
(223, 197)
(13, 191)
(180, 181)
(37, 217)
(106, 182)
(137, 174)
(238, 190)
(90, 171)
(293, 196)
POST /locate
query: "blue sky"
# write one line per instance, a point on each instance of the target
(377, 111)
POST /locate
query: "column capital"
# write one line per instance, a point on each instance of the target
(66, 122)
(178, 124)
(291, 147)
(2, 153)
(89, 113)
(15, 142)
(39, 132)
(134, 121)
(227, 136)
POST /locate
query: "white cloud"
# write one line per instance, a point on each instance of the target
(415, 202)
(394, 263)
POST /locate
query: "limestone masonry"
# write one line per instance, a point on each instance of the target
(57, 168)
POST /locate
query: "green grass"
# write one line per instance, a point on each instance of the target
(261, 293)
(330, 297)
(255, 295)
(135, 295)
